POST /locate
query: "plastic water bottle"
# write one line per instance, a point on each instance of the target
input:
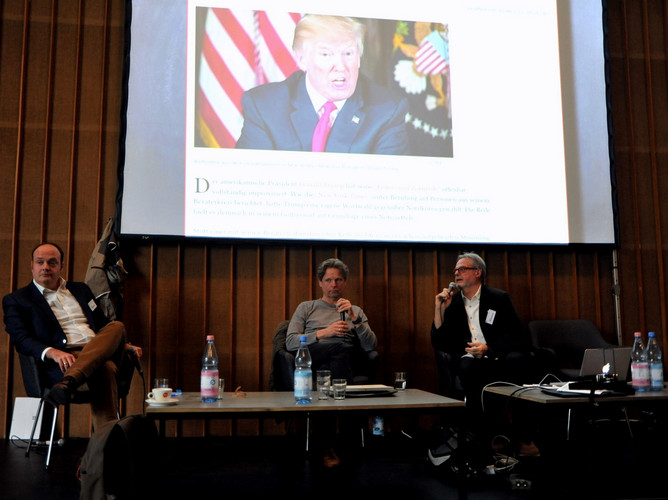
(209, 378)
(639, 365)
(303, 374)
(655, 361)
(378, 428)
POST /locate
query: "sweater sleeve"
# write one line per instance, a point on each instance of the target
(365, 334)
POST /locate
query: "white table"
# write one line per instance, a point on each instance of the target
(282, 404)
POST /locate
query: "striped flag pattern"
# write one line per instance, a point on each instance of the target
(430, 58)
(240, 50)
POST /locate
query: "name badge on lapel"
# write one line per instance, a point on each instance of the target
(92, 305)
(490, 317)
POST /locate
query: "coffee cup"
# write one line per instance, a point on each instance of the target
(160, 394)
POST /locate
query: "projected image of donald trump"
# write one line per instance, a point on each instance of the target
(326, 105)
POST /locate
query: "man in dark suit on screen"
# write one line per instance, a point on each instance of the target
(327, 106)
(60, 325)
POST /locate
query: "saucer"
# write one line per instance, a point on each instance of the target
(152, 402)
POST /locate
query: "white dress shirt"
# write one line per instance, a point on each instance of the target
(319, 101)
(68, 313)
(473, 314)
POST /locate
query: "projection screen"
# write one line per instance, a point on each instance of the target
(506, 134)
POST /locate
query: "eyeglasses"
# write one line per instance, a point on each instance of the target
(461, 269)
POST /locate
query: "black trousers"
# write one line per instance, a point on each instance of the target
(338, 357)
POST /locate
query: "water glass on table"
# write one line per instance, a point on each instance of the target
(161, 382)
(400, 380)
(221, 388)
(324, 378)
(339, 388)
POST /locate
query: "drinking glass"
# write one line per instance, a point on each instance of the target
(339, 388)
(400, 380)
(324, 378)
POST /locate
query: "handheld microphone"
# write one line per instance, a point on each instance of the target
(343, 316)
(452, 287)
(60, 442)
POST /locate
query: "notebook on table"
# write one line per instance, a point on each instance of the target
(361, 391)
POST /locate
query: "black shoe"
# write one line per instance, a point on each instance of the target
(61, 392)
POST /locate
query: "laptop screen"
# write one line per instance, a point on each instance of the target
(616, 360)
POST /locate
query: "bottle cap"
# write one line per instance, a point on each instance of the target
(651, 334)
(209, 337)
(637, 334)
(302, 338)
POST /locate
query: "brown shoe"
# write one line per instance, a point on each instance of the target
(61, 392)
(331, 459)
(529, 450)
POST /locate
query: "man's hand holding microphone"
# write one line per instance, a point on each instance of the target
(442, 301)
(339, 328)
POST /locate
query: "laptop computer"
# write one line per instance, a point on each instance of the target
(596, 359)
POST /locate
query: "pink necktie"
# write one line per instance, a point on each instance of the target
(322, 128)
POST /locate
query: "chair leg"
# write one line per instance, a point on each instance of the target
(34, 426)
(628, 422)
(53, 432)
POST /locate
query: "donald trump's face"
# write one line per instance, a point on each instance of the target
(332, 66)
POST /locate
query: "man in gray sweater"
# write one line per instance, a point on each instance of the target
(337, 332)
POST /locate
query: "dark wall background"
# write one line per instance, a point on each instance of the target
(60, 81)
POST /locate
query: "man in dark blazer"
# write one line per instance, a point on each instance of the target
(479, 338)
(60, 325)
(283, 115)
(479, 329)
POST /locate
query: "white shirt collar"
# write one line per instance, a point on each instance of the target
(42, 289)
(476, 296)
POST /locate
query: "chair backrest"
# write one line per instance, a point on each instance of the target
(36, 382)
(282, 361)
(32, 381)
(280, 334)
(126, 371)
(568, 339)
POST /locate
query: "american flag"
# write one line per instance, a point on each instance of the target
(430, 58)
(240, 50)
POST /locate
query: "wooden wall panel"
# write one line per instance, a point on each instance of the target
(420, 365)
(273, 309)
(61, 79)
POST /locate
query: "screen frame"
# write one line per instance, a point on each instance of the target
(299, 242)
